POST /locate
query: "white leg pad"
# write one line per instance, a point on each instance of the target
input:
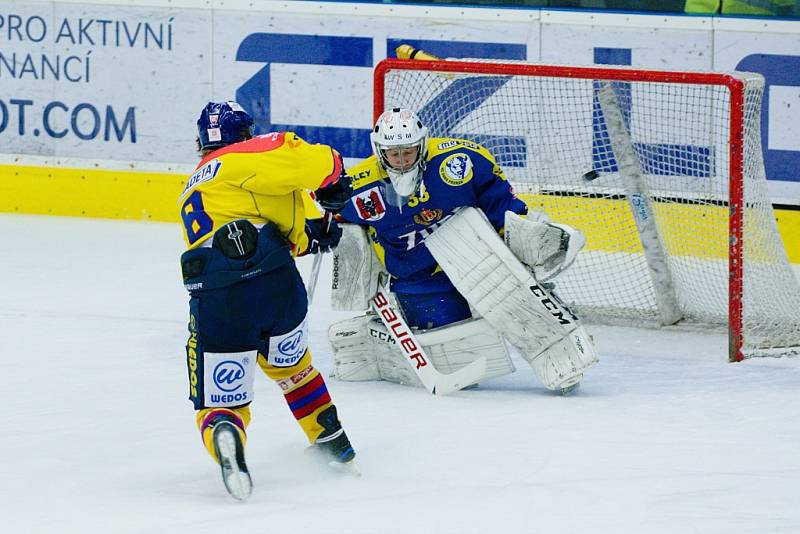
(457, 345)
(507, 295)
(372, 354)
(355, 351)
(562, 364)
(356, 270)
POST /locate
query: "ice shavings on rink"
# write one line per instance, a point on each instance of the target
(663, 436)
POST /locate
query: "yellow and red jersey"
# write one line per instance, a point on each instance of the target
(264, 179)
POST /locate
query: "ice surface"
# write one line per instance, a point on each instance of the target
(664, 435)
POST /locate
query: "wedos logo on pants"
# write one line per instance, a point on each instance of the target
(229, 376)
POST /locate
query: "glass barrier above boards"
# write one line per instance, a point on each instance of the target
(758, 8)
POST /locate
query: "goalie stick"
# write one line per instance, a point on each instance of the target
(434, 381)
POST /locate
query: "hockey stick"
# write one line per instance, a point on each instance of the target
(413, 351)
(312, 280)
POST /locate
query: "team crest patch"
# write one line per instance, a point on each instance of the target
(428, 216)
(456, 169)
(369, 205)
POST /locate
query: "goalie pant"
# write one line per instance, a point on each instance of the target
(511, 300)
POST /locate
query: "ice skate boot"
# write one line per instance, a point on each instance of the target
(230, 452)
(333, 446)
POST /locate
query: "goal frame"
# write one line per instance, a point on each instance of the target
(735, 86)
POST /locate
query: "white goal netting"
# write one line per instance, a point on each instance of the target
(662, 171)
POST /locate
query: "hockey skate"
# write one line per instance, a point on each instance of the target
(332, 446)
(569, 387)
(230, 452)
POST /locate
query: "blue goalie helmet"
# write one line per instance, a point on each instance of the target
(222, 124)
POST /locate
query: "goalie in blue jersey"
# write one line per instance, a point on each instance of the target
(466, 265)
(244, 222)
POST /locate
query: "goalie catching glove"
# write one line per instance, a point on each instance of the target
(546, 248)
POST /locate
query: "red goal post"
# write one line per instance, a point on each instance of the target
(661, 169)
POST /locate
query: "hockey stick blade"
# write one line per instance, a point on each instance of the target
(434, 381)
(462, 378)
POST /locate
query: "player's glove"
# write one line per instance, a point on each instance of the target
(322, 238)
(334, 197)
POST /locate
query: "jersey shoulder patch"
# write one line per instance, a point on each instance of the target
(444, 145)
(204, 174)
(365, 173)
(456, 159)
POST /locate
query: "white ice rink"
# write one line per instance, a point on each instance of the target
(98, 436)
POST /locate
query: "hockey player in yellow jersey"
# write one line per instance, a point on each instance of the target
(244, 221)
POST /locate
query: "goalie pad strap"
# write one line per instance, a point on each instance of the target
(356, 270)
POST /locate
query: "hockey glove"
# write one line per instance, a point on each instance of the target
(322, 238)
(334, 197)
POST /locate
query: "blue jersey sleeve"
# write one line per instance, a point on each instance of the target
(495, 195)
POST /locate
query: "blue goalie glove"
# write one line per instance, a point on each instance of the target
(321, 237)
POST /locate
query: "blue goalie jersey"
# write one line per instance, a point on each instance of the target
(458, 173)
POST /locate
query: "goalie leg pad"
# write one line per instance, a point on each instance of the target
(355, 351)
(457, 345)
(450, 348)
(561, 365)
(547, 248)
(364, 350)
(356, 270)
(502, 290)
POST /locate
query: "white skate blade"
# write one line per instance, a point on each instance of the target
(237, 480)
(348, 468)
(340, 468)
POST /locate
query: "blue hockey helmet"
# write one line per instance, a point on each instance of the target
(222, 124)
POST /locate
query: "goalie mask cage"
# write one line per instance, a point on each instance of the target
(662, 171)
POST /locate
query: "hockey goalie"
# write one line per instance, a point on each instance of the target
(427, 214)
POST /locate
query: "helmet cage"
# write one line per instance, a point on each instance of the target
(401, 129)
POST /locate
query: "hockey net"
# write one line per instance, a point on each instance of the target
(662, 171)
